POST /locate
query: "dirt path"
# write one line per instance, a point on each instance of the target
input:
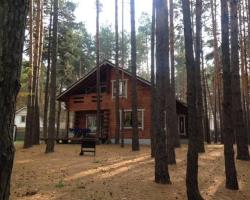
(118, 174)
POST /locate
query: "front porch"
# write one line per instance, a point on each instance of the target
(86, 121)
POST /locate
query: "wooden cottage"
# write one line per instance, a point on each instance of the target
(80, 100)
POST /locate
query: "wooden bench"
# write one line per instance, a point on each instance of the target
(88, 145)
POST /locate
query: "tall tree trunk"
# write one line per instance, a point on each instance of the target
(122, 62)
(52, 114)
(135, 133)
(161, 160)
(217, 81)
(206, 119)
(199, 120)
(34, 117)
(28, 132)
(231, 174)
(46, 93)
(117, 96)
(152, 106)
(98, 102)
(239, 126)
(12, 26)
(193, 148)
(174, 119)
(171, 119)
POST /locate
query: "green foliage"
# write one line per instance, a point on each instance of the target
(60, 184)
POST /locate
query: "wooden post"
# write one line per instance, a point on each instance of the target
(67, 124)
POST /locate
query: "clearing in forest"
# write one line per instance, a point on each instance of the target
(116, 173)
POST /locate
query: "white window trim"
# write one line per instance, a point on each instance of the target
(130, 110)
(126, 88)
(86, 120)
(184, 133)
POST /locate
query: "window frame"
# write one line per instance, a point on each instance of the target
(130, 127)
(23, 117)
(125, 88)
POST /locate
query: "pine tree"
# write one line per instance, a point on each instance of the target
(12, 14)
(52, 114)
(161, 160)
(193, 147)
(230, 170)
(135, 133)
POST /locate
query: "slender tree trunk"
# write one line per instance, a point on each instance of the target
(122, 62)
(52, 114)
(161, 159)
(12, 27)
(206, 120)
(239, 126)
(117, 112)
(46, 93)
(98, 102)
(199, 120)
(153, 113)
(174, 119)
(231, 174)
(28, 133)
(135, 133)
(171, 118)
(34, 117)
(193, 149)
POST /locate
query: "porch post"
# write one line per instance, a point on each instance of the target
(67, 124)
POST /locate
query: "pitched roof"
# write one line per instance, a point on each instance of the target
(19, 110)
(104, 63)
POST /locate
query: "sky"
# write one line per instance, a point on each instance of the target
(86, 12)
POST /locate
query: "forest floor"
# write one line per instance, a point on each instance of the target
(118, 174)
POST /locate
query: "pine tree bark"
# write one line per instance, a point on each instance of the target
(117, 112)
(12, 25)
(46, 92)
(171, 129)
(34, 103)
(28, 133)
(52, 114)
(174, 119)
(238, 121)
(152, 77)
(135, 133)
(199, 120)
(98, 102)
(161, 159)
(231, 174)
(193, 149)
(206, 119)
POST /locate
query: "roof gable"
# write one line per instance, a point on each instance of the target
(91, 72)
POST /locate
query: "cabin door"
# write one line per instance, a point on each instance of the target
(91, 122)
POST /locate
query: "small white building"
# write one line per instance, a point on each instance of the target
(20, 118)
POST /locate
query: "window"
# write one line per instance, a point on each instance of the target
(23, 119)
(122, 88)
(182, 126)
(127, 119)
(91, 122)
